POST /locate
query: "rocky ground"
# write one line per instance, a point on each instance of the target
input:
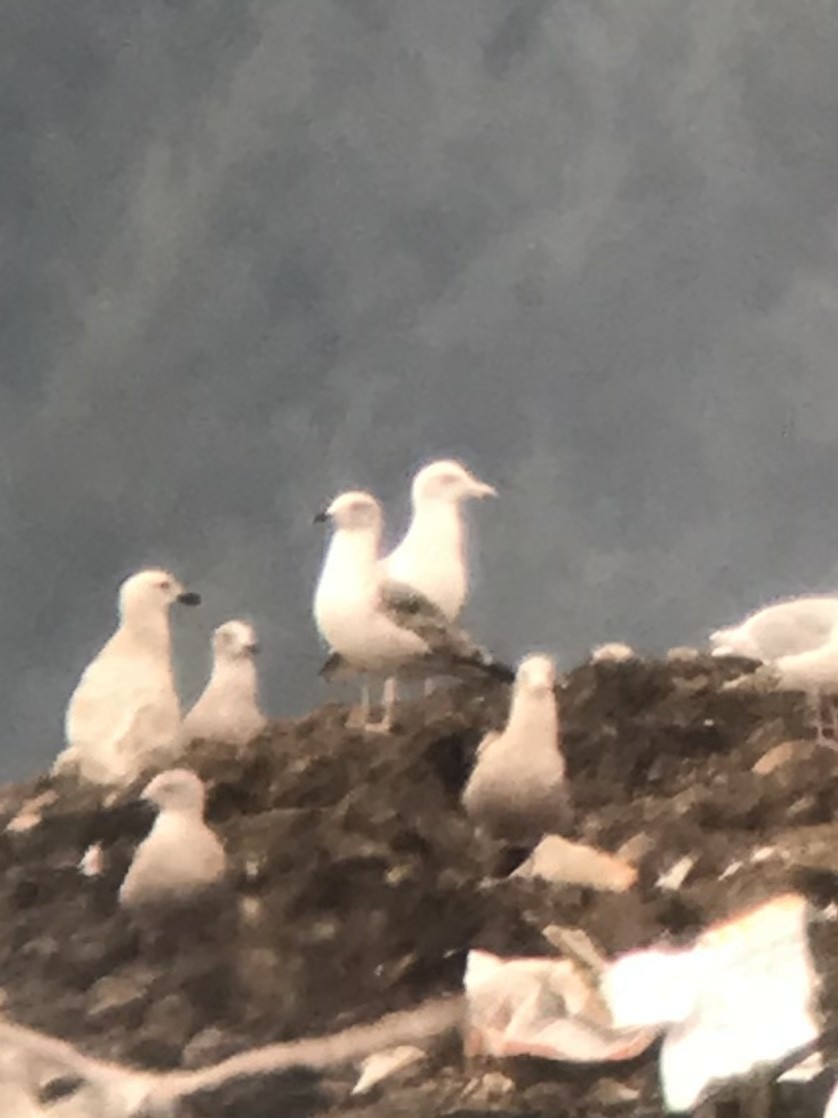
(361, 887)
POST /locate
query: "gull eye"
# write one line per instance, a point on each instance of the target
(164, 584)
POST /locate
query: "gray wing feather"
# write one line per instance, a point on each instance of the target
(448, 645)
(411, 610)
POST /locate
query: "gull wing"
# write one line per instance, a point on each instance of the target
(336, 667)
(448, 645)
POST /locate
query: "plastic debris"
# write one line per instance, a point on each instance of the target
(831, 1110)
(804, 1071)
(576, 945)
(542, 1007)
(677, 874)
(92, 862)
(574, 863)
(743, 996)
(381, 1065)
(30, 814)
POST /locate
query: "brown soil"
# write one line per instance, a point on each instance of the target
(367, 886)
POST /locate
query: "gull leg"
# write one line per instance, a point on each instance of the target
(359, 716)
(832, 742)
(388, 698)
(814, 701)
(390, 694)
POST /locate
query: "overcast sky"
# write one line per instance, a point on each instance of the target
(257, 252)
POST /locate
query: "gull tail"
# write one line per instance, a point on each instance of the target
(335, 667)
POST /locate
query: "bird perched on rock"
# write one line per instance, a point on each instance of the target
(517, 791)
(377, 626)
(125, 713)
(228, 708)
(432, 555)
(814, 672)
(785, 628)
(181, 859)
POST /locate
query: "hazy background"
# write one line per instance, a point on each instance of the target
(256, 252)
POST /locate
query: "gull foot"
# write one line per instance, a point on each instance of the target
(384, 726)
(357, 719)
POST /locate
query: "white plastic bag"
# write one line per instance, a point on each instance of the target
(542, 1007)
(742, 996)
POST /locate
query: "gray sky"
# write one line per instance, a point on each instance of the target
(254, 253)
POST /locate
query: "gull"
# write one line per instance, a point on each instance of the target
(814, 672)
(783, 629)
(181, 860)
(517, 790)
(432, 555)
(380, 627)
(228, 709)
(125, 713)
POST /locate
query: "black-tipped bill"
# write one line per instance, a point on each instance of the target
(322, 517)
(189, 598)
(254, 648)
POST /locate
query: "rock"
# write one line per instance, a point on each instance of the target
(573, 863)
(366, 885)
(782, 754)
(118, 999)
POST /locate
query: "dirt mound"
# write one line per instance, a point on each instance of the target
(361, 885)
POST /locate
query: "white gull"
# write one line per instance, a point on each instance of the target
(125, 712)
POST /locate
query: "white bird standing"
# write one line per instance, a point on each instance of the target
(125, 712)
(181, 858)
(814, 672)
(228, 708)
(432, 556)
(783, 629)
(517, 790)
(377, 626)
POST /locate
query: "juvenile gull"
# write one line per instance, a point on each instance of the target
(125, 713)
(517, 789)
(432, 555)
(181, 859)
(783, 629)
(228, 709)
(377, 626)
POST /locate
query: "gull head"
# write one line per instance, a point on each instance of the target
(153, 591)
(176, 790)
(449, 481)
(355, 511)
(536, 675)
(235, 640)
